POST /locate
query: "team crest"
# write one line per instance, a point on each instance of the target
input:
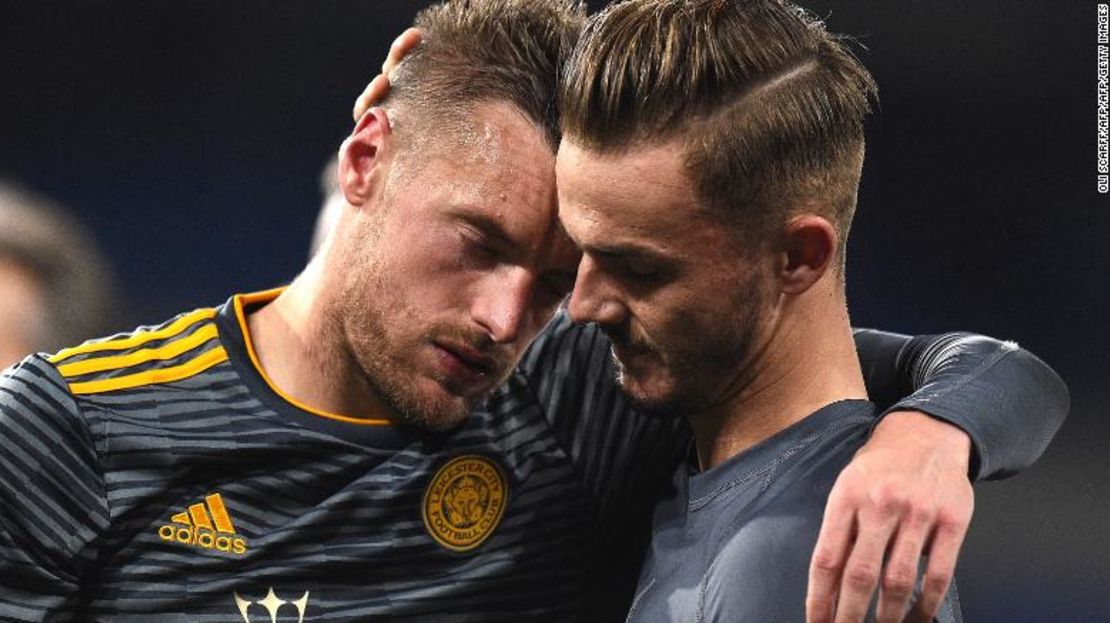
(464, 502)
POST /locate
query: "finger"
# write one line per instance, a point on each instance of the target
(941, 568)
(900, 570)
(837, 531)
(374, 92)
(861, 571)
(380, 85)
(400, 48)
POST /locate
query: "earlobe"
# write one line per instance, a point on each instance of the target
(362, 157)
(809, 246)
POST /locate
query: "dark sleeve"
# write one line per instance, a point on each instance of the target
(1007, 400)
(617, 451)
(52, 500)
(622, 458)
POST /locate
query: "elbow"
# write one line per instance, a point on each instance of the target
(1051, 391)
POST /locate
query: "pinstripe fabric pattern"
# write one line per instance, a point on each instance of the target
(103, 445)
(93, 471)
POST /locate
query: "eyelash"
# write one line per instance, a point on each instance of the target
(477, 244)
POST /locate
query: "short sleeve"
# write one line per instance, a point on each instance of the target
(52, 498)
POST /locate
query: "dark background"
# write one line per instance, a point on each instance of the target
(190, 135)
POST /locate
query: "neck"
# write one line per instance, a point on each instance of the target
(809, 361)
(303, 353)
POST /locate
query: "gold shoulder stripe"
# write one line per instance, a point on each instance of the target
(167, 351)
(241, 301)
(193, 367)
(176, 327)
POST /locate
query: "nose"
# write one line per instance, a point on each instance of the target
(503, 308)
(594, 298)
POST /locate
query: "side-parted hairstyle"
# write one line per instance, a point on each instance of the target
(769, 105)
(489, 50)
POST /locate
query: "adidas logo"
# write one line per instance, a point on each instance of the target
(205, 525)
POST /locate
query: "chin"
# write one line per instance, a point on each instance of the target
(438, 422)
(422, 402)
(650, 396)
(436, 415)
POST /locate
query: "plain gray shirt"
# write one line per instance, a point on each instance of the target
(734, 543)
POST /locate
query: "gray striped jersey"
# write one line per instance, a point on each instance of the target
(158, 476)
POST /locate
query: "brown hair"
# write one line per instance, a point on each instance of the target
(769, 105)
(481, 50)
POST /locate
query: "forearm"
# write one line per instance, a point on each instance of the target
(1008, 402)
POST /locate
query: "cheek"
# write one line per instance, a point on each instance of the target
(424, 272)
(668, 316)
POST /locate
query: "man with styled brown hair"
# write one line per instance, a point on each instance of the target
(711, 155)
(376, 442)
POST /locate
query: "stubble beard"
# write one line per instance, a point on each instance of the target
(704, 370)
(395, 381)
(362, 315)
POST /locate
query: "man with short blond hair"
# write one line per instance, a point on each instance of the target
(382, 439)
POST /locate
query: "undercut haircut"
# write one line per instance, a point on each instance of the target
(768, 105)
(489, 50)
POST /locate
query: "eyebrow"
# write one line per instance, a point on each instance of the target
(486, 226)
(625, 250)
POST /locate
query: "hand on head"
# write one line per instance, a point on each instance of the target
(379, 87)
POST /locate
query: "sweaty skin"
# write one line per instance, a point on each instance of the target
(922, 489)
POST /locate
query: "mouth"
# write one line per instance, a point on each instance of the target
(625, 350)
(626, 354)
(465, 364)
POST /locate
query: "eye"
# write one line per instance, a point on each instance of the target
(640, 268)
(476, 245)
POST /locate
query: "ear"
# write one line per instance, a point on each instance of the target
(362, 158)
(809, 245)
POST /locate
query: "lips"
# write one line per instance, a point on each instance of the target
(626, 353)
(471, 357)
(465, 364)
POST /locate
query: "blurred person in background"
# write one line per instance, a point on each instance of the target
(382, 440)
(56, 288)
(332, 206)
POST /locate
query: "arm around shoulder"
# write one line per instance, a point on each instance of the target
(1009, 402)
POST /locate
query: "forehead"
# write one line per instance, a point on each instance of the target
(496, 169)
(640, 196)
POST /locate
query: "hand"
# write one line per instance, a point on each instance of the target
(379, 86)
(905, 494)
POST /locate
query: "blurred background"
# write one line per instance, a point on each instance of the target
(189, 137)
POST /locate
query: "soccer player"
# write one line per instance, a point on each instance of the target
(705, 134)
(378, 441)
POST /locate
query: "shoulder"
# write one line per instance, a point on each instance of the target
(35, 403)
(177, 349)
(564, 343)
